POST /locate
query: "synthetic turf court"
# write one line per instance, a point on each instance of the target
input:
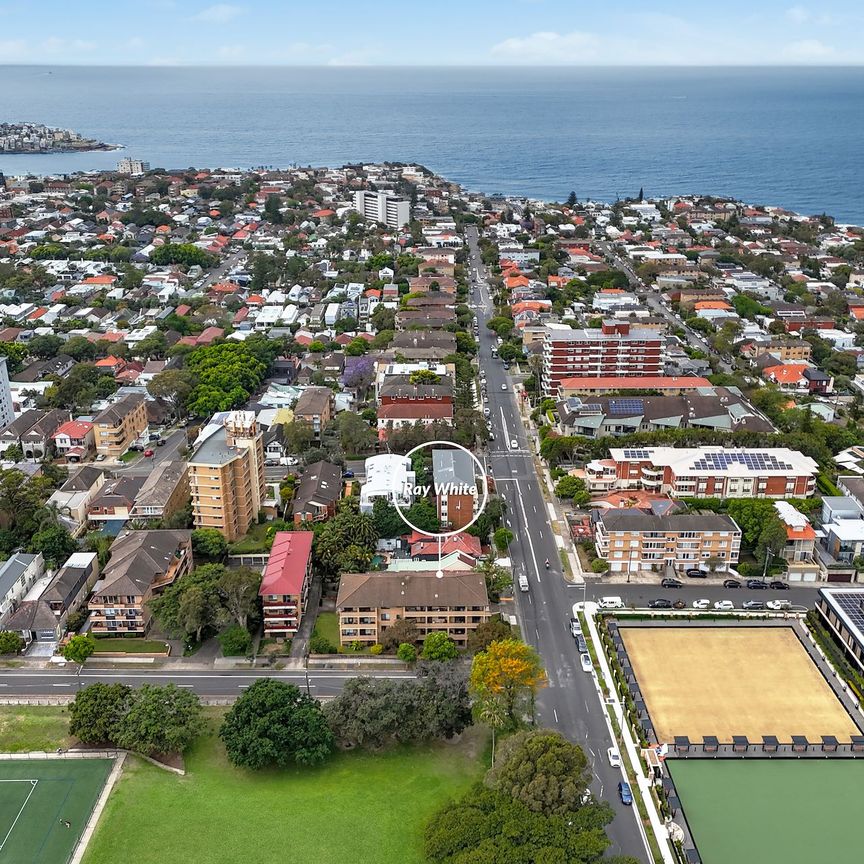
(727, 681)
(37, 797)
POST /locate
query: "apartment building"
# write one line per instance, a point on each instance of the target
(368, 603)
(120, 425)
(134, 167)
(705, 472)
(315, 407)
(615, 349)
(7, 415)
(142, 565)
(226, 475)
(390, 210)
(285, 586)
(632, 540)
(164, 492)
(457, 491)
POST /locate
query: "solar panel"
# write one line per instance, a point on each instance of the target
(851, 604)
(755, 461)
(592, 408)
(637, 454)
(622, 407)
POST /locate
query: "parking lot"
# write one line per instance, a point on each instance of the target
(727, 681)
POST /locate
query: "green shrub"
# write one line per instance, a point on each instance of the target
(235, 641)
(319, 644)
(376, 649)
(406, 652)
(598, 565)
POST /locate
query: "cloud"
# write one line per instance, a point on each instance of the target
(798, 14)
(221, 13)
(12, 49)
(56, 45)
(231, 52)
(547, 47)
(808, 49)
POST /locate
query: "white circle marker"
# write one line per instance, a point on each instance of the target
(441, 535)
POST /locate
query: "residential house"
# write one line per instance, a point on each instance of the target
(142, 565)
(72, 500)
(388, 476)
(164, 492)
(114, 501)
(315, 407)
(317, 494)
(369, 603)
(285, 586)
(18, 573)
(74, 440)
(33, 432)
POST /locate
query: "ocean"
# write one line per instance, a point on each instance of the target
(785, 136)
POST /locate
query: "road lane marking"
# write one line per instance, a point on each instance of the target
(555, 714)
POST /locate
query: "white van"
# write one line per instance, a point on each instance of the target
(610, 603)
(523, 582)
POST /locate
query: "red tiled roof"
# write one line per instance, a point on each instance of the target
(286, 568)
(73, 428)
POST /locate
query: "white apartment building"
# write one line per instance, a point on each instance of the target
(132, 166)
(392, 211)
(390, 477)
(7, 415)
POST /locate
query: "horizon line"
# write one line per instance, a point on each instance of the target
(330, 65)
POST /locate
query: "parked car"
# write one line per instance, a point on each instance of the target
(625, 794)
(731, 583)
(270, 463)
(148, 452)
(614, 757)
(581, 644)
(679, 604)
(610, 603)
(724, 605)
(669, 582)
(486, 411)
(136, 448)
(160, 442)
(661, 603)
(757, 583)
(100, 457)
(752, 605)
(779, 584)
(348, 475)
(575, 629)
(585, 660)
(777, 605)
(701, 604)
(695, 573)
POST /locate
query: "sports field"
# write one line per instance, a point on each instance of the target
(727, 681)
(794, 811)
(37, 797)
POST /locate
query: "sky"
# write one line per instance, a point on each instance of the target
(467, 32)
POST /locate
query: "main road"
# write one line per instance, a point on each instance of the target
(570, 703)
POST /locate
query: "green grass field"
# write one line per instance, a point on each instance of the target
(792, 810)
(32, 727)
(362, 808)
(327, 625)
(35, 798)
(129, 646)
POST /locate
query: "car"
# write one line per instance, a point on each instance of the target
(585, 660)
(679, 604)
(625, 793)
(752, 605)
(701, 604)
(575, 629)
(695, 573)
(731, 583)
(669, 582)
(148, 452)
(100, 457)
(724, 605)
(160, 442)
(487, 412)
(136, 448)
(614, 757)
(661, 603)
(154, 436)
(779, 585)
(348, 475)
(777, 605)
(269, 463)
(514, 444)
(581, 644)
(506, 365)
(504, 387)
(756, 583)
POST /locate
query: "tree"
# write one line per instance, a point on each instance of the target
(190, 615)
(235, 641)
(423, 376)
(79, 648)
(491, 630)
(298, 436)
(45, 346)
(509, 669)
(491, 711)
(355, 434)
(543, 770)
(403, 630)
(14, 453)
(439, 647)
(571, 200)
(10, 642)
(503, 537)
(175, 386)
(80, 349)
(273, 724)
(238, 587)
(209, 542)
(388, 522)
(196, 610)
(160, 720)
(15, 353)
(97, 711)
(407, 652)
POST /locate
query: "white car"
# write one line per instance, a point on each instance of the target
(701, 604)
(585, 660)
(504, 387)
(514, 444)
(777, 605)
(614, 757)
(486, 412)
(724, 605)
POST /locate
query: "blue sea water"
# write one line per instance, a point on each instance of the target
(786, 136)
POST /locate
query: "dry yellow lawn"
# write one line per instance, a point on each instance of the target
(724, 681)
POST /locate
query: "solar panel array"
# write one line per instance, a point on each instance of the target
(851, 604)
(755, 461)
(626, 407)
(592, 408)
(637, 454)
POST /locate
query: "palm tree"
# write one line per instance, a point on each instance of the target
(492, 712)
